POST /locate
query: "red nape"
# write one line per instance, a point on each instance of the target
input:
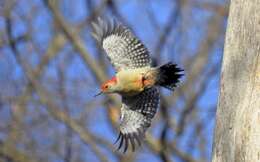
(113, 79)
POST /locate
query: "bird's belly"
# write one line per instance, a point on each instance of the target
(131, 83)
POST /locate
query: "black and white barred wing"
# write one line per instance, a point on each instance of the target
(136, 115)
(124, 50)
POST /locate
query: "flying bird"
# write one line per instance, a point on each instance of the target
(135, 79)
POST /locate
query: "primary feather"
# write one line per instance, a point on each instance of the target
(124, 50)
(137, 113)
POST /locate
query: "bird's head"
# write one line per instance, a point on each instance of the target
(109, 86)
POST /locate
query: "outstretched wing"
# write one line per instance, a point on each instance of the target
(136, 115)
(124, 50)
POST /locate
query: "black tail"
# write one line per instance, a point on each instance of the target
(168, 75)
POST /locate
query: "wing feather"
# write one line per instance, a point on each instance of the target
(136, 115)
(124, 50)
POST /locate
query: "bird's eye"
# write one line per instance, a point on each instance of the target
(106, 86)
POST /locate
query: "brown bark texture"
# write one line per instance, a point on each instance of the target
(237, 131)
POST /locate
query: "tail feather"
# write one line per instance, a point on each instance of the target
(168, 75)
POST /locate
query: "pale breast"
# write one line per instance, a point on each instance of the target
(130, 81)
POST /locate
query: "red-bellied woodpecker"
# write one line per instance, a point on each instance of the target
(136, 80)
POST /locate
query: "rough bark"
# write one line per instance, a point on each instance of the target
(237, 131)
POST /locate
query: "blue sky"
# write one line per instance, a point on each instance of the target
(135, 14)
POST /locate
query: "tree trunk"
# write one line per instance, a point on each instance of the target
(237, 131)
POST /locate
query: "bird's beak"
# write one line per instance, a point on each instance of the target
(99, 93)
